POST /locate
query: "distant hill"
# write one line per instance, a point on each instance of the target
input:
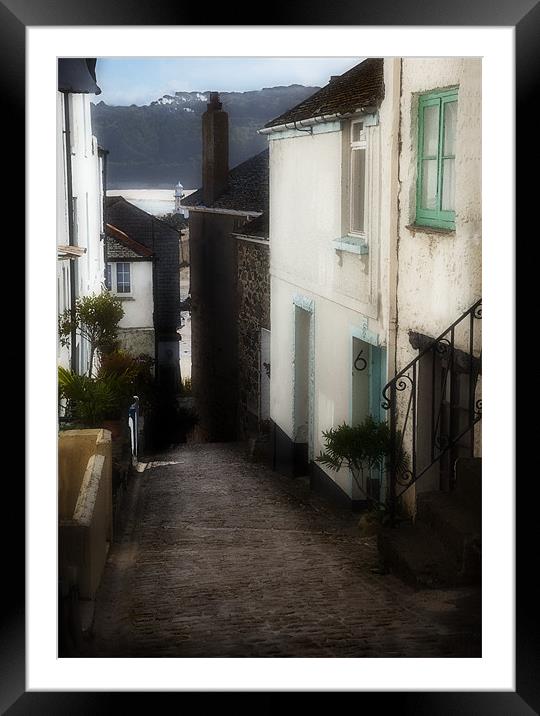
(154, 146)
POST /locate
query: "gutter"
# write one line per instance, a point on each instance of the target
(229, 212)
(252, 239)
(316, 120)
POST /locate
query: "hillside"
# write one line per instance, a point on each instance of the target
(154, 146)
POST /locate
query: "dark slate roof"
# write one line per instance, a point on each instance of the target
(247, 188)
(361, 86)
(258, 227)
(77, 75)
(121, 246)
(136, 222)
(164, 243)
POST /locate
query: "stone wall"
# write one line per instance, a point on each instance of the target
(138, 340)
(253, 314)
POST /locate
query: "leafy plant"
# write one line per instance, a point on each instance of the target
(134, 373)
(96, 318)
(89, 400)
(362, 448)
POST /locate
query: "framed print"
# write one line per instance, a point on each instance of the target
(498, 674)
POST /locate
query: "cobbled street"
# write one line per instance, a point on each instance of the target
(221, 557)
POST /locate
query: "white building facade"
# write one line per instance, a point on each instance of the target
(80, 196)
(329, 271)
(129, 278)
(437, 264)
(372, 238)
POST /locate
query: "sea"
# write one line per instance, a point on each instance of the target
(155, 201)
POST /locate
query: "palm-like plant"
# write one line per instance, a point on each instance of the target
(362, 448)
(93, 400)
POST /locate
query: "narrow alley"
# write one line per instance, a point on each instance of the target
(219, 556)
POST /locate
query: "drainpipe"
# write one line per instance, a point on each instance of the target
(104, 153)
(155, 314)
(393, 272)
(73, 264)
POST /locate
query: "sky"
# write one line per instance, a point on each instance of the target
(140, 80)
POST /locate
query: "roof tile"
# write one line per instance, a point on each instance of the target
(361, 86)
(247, 188)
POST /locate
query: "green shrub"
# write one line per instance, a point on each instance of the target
(96, 319)
(362, 448)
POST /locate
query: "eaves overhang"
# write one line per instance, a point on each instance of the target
(323, 118)
(228, 212)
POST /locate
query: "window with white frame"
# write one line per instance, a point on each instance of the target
(123, 278)
(118, 278)
(357, 222)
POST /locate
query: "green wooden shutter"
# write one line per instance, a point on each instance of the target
(434, 214)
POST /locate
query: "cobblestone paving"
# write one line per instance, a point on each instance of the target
(222, 557)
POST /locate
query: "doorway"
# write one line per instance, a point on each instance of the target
(303, 389)
(368, 370)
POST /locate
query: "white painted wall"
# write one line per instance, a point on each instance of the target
(88, 196)
(139, 307)
(409, 280)
(306, 173)
(440, 274)
(309, 191)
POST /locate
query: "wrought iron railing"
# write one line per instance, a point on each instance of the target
(433, 406)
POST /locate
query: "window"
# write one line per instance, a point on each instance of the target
(118, 278)
(358, 178)
(123, 280)
(435, 196)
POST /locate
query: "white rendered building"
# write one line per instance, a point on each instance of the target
(80, 196)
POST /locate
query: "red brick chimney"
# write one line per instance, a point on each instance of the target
(215, 156)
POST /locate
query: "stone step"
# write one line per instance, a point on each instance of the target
(419, 557)
(469, 482)
(456, 525)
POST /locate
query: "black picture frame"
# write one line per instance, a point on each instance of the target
(15, 17)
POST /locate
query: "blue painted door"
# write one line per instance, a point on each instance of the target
(377, 380)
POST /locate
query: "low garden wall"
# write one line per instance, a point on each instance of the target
(84, 507)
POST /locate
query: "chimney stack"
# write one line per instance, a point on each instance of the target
(215, 156)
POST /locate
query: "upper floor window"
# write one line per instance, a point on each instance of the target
(357, 178)
(118, 277)
(123, 278)
(435, 195)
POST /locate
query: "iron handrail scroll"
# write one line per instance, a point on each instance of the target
(433, 406)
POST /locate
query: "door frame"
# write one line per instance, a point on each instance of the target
(376, 379)
(306, 304)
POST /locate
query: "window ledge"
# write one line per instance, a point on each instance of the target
(121, 297)
(422, 229)
(352, 244)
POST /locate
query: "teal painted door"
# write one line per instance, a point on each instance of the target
(377, 380)
(368, 379)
